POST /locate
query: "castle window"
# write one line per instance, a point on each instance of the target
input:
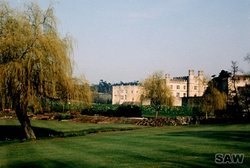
(177, 94)
(178, 87)
(184, 87)
(171, 86)
(195, 87)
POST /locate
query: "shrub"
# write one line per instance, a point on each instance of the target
(62, 116)
(114, 111)
(149, 111)
(104, 110)
(128, 111)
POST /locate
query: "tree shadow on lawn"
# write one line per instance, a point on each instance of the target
(229, 139)
(240, 136)
(45, 163)
(11, 132)
(8, 133)
(226, 139)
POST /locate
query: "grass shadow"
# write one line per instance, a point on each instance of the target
(11, 132)
(45, 163)
(241, 136)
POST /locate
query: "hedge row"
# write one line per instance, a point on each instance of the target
(149, 111)
(118, 110)
(114, 111)
(139, 111)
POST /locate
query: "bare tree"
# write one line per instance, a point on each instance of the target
(35, 61)
(247, 59)
(235, 95)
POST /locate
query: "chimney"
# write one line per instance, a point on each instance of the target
(190, 72)
(167, 76)
(200, 73)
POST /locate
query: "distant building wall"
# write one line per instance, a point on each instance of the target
(184, 86)
(126, 94)
(240, 82)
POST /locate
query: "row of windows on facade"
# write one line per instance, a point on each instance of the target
(177, 95)
(125, 91)
(179, 87)
(171, 86)
(125, 98)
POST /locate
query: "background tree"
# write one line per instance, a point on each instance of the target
(156, 90)
(213, 99)
(244, 92)
(35, 61)
(104, 87)
(102, 92)
(215, 96)
(221, 82)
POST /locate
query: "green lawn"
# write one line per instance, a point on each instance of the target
(126, 146)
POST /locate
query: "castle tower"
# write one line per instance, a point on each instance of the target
(190, 83)
(201, 81)
(167, 77)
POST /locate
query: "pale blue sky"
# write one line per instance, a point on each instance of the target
(126, 40)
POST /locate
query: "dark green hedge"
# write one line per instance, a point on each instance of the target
(139, 111)
(114, 111)
(149, 111)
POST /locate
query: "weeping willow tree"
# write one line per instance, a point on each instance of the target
(35, 61)
(156, 90)
(213, 100)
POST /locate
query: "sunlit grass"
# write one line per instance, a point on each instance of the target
(190, 146)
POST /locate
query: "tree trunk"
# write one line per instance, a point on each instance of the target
(21, 112)
(3, 103)
(158, 108)
(156, 114)
(25, 123)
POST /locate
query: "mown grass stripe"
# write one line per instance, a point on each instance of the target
(192, 146)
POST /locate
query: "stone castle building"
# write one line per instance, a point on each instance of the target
(185, 86)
